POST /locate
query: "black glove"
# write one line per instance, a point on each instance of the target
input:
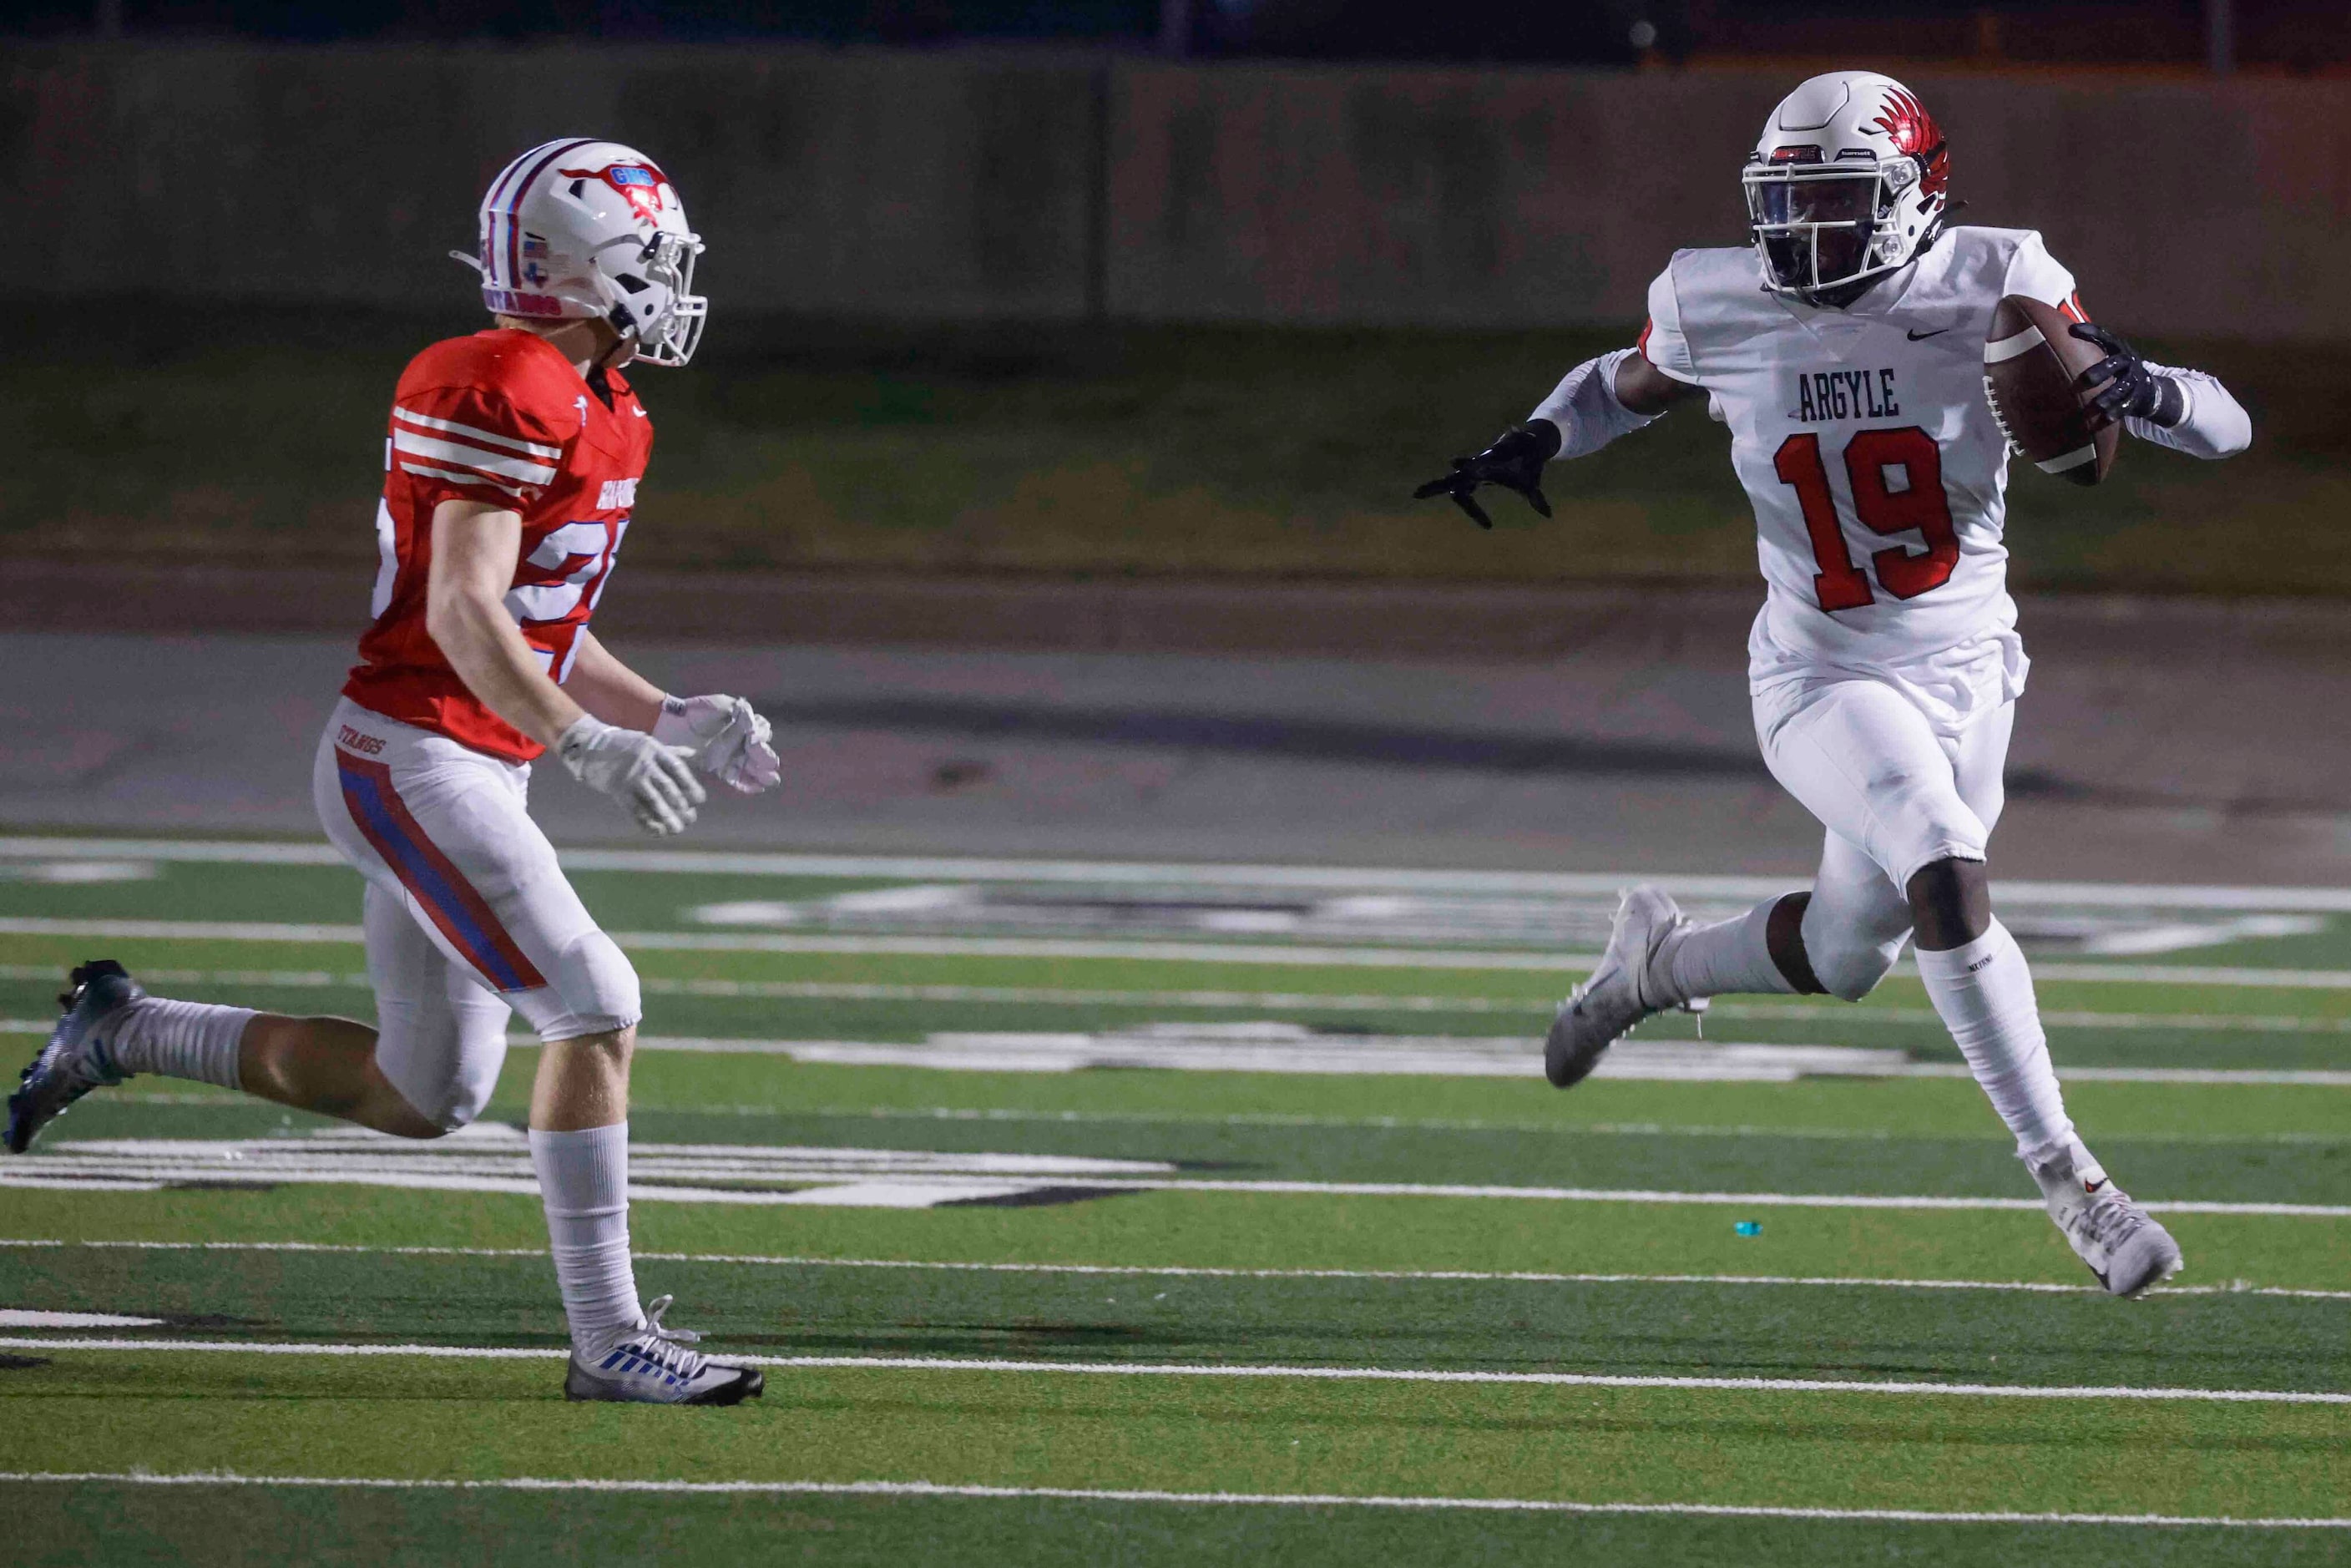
(2129, 388)
(1515, 462)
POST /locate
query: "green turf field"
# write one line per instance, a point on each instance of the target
(1184, 1214)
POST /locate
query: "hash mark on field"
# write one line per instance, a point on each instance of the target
(1189, 1272)
(1245, 1370)
(1194, 1499)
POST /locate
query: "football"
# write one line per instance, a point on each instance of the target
(2032, 367)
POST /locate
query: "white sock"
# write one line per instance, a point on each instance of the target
(1728, 956)
(179, 1039)
(1984, 993)
(583, 1179)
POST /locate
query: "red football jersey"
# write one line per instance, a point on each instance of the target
(498, 417)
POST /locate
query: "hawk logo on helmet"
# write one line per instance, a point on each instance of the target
(638, 184)
(1914, 133)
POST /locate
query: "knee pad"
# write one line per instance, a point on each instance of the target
(1847, 959)
(1852, 970)
(593, 988)
(1920, 819)
(446, 1069)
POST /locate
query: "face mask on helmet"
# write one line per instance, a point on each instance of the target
(657, 305)
(1819, 227)
(1816, 232)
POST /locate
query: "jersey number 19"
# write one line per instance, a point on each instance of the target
(1874, 462)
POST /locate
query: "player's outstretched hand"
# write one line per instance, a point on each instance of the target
(2126, 388)
(650, 779)
(725, 738)
(1515, 462)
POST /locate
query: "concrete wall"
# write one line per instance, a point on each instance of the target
(1470, 198)
(951, 186)
(892, 184)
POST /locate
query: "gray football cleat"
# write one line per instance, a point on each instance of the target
(1630, 985)
(655, 1364)
(2120, 1241)
(75, 1061)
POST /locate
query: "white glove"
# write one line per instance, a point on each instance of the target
(648, 778)
(724, 737)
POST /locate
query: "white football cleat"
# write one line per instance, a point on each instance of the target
(2120, 1241)
(653, 1364)
(1631, 984)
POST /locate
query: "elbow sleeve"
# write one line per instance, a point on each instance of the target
(1585, 407)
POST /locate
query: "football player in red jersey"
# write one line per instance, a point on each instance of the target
(511, 468)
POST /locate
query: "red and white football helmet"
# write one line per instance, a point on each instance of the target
(1848, 182)
(580, 228)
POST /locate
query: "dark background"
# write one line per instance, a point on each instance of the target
(2300, 35)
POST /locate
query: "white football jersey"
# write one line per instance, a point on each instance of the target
(1877, 471)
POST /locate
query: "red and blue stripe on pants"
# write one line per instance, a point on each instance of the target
(459, 912)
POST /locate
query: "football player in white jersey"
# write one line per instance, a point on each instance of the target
(1844, 350)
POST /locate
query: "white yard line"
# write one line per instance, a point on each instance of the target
(1187, 1271)
(2060, 1017)
(1889, 1387)
(1056, 996)
(1499, 1056)
(1221, 1500)
(1751, 1130)
(1709, 1200)
(1717, 1061)
(1286, 1048)
(895, 868)
(487, 1157)
(1563, 965)
(919, 946)
(2312, 1078)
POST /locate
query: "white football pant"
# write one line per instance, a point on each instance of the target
(467, 915)
(1896, 791)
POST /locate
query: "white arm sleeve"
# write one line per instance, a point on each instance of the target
(1585, 407)
(2215, 425)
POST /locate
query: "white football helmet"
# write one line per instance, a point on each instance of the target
(1847, 181)
(580, 229)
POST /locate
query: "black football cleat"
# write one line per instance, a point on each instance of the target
(76, 1060)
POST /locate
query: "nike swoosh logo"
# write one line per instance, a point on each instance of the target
(1921, 336)
(641, 412)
